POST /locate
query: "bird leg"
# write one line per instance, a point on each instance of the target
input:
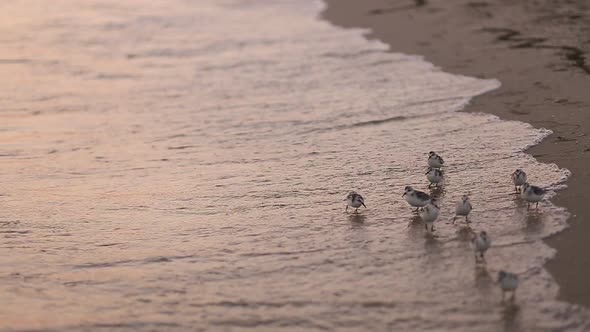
(455, 217)
(356, 210)
(537, 206)
(346, 209)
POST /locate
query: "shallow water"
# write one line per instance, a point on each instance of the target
(180, 165)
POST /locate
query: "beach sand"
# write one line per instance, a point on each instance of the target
(538, 50)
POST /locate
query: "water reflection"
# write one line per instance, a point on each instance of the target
(511, 317)
(437, 192)
(357, 220)
(534, 222)
(465, 233)
(483, 278)
(432, 244)
(415, 221)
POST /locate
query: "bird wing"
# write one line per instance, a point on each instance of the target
(538, 191)
(422, 195)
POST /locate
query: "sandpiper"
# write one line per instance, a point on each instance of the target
(518, 178)
(481, 243)
(416, 198)
(435, 176)
(434, 160)
(532, 194)
(355, 201)
(429, 213)
(508, 282)
(463, 208)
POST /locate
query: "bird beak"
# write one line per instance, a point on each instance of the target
(404, 195)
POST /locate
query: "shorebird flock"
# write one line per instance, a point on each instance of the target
(426, 206)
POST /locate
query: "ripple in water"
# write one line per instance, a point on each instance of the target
(182, 165)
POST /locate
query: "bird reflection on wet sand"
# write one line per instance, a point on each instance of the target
(534, 223)
(432, 245)
(483, 279)
(511, 317)
(465, 233)
(415, 221)
(437, 192)
(357, 219)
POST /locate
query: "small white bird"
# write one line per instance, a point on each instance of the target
(416, 198)
(355, 201)
(481, 243)
(429, 213)
(434, 160)
(463, 208)
(532, 194)
(508, 282)
(518, 178)
(435, 176)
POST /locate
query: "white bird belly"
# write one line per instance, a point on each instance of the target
(354, 204)
(531, 197)
(434, 163)
(433, 178)
(429, 216)
(509, 283)
(519, 180)
(481, 245)
(415, 201)
(462, 209)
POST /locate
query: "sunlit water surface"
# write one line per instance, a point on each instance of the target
(180, 165)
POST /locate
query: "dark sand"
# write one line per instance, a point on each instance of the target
(538, 50)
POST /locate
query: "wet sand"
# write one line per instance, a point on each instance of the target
(538, 50)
